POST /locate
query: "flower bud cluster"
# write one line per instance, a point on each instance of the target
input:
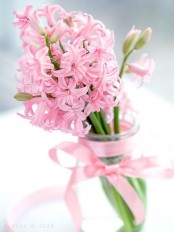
(136, 40)
(143, 67)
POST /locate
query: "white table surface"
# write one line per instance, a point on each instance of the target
(25, 167)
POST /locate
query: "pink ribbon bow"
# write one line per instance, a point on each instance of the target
(92, 167)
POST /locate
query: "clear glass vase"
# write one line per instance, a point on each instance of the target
(103, 207)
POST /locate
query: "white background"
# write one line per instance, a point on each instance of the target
(25, 167)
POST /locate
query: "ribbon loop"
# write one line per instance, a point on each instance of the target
(75, 150)
(92, 167)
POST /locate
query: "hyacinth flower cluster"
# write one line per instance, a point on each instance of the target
(69, 78)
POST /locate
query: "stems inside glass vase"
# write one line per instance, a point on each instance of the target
(115, 199)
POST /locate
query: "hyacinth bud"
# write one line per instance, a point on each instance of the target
(130, 40)
(54, 38)
(144, 38)
(57, 31)
(23, 96)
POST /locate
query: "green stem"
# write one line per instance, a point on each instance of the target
(104, 123)
(96, 124)
(116, 120)
(119, 205)
(124, 212)
(124, 62)
(140, 187)
(97, 114)
(48, 45)
(116, 109)
(61, 46)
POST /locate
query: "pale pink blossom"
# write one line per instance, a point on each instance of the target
(109, 78)
(90, 28)
(102, 47)
(38, 64)
(142, 69)
(73, 63)
(73, 120)
(67, 93)
(109, 101)
(95, 102)
(22, 19)
(40, 114)
(80, 128)
(93, 74)
(49, 11)
(32, 41)
(125, 103)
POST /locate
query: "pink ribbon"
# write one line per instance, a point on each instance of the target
(143, 167)
(33, 199)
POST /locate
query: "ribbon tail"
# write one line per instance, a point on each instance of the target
(35, 198)
(129, 195)
(73, 204)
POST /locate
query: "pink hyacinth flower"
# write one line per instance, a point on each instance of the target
(68, 66)
(22, 19)
(39, 64)
(36, 23)
(72, 63)
(49, 11)
(142, 68)
(67, 93)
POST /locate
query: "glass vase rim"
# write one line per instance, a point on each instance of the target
(132, 130)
